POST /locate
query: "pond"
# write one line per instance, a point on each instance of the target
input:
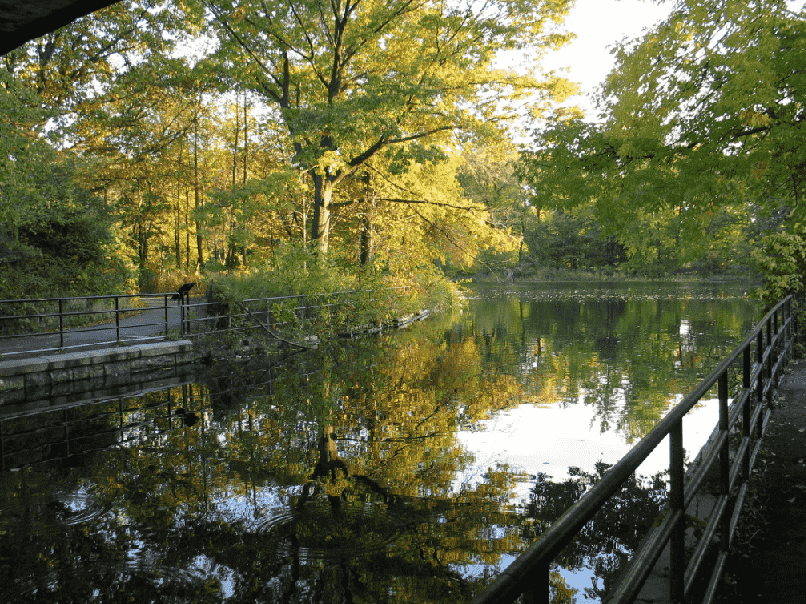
(408, 467)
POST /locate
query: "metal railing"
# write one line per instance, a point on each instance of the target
(287, 314)
(41, 325)
(52, 324)
(773, 339)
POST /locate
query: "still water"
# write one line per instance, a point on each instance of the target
(408, 467)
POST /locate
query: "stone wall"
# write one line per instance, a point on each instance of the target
(58, 379)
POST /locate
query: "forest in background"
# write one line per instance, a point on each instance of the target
(321, 145)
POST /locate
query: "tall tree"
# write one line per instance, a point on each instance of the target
(353, 79)
(54, 233)
(702, 121)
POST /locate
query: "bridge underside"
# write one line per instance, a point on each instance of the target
(21, 21)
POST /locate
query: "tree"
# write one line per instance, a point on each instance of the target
(109, 93)
(54, 233)
(70, 67)
(488, 177)
(355, 79)
(702, 118)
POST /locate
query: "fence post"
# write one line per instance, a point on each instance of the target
(165, 307)
(769, 364)
(792, 332)
(677, 499)
(538, 593)
(760, 381)
(787, 315)
(61, 323)
(724, 458)
(747, 429)
(793, 327)
(117, 319)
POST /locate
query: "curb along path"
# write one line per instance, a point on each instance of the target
(56, 379)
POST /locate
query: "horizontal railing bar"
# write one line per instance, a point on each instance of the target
(754, 373)
(72, 346)
(776, 369)
(715, 575)
(737, 404)
(737, 464)
(77, 330)
(737, 510)
(99, 297)
(754, 416)
(705, 542)
(78, 313)
(754, 453)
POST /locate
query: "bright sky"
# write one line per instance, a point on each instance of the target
(598, 25)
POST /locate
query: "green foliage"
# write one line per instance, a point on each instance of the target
(293, 270)
(55, 237)
(782, 259)
(340, 299)
(566, 241)
(699, 147)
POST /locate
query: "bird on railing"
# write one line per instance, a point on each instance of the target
(180, 294)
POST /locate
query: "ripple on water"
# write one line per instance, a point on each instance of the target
(77, 507)
(317, 530)
(145, 565)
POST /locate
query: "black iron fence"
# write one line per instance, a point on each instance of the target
(729, 455)
(291, 317)
(51, 324)
(55, 324)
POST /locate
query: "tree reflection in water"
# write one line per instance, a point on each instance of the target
(342, 476)
(608, 540)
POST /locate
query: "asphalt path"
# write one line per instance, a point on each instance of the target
(768, 563)
(146, 325)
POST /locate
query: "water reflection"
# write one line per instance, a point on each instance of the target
(350, 473)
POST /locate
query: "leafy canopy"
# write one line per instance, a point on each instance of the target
(351, 79)
(702, 119)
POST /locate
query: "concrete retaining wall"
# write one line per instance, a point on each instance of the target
(56, 379)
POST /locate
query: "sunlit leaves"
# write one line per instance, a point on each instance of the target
(353, 79)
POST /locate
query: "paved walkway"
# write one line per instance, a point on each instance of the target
(768, 563)
(144, 326)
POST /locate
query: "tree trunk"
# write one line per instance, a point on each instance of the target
(197, 194)
(231, 258)
(366, 242)
(245, 157)
(178, 215)
(365, 253)
(323, 193)
(187, 227)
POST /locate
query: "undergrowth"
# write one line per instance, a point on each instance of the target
(295, 295)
